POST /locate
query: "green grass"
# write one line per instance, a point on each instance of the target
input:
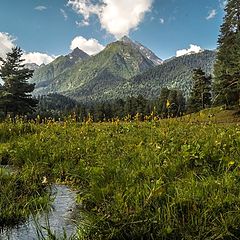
(171, 179)
(21, 193)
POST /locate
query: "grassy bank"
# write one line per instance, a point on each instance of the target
(171, 179)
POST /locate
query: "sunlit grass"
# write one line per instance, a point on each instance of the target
(158, 179)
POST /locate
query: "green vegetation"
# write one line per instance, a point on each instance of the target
(138, 176)
(15, 94)
(44, 75)
(116, 63)
(22, 189)
(121, 71)
(57, 106)
(226, 69)
(200, 96)
(151, 180)
(171, 103)
(173, 74)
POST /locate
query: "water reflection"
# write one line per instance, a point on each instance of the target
(61, 217)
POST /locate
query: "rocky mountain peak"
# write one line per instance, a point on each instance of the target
(126, 39)
(78, 53)
(32, 66)
(146, 52)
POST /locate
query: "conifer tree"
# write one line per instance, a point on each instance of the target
(227, 66)
(200, 96)
(15, 94)
(163, 108)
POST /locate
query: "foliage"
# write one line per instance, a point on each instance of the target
(116, 63)
(15, 94)
(227, 67)
(57, 106)
(22, 193)
(171, 103)
(45, 74)
(200, 96)
(121, 71)
(174, 74)
(137, 180)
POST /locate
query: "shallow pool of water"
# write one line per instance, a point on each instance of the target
(60, 219)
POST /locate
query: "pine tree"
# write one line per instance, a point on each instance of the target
(15, 97)
(200, 96)
(227, 66)
(163, 108)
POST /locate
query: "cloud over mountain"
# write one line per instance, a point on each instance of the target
(38, 58)
(90, 46)
(115, 16)
(192, 49)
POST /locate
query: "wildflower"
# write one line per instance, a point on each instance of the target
(231, 163)
(44, 181)
(157, 146)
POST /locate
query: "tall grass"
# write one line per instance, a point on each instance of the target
(138, 180)
(21, 193)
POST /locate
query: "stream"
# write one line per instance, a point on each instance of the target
(60, 219)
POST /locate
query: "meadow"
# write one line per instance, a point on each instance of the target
(157, 179)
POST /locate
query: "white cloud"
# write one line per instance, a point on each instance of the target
(63, 12)
(161, 20)
(40, 8)
(38, 58)
(192, 49)
(6, 44)
(211, 14)
(83, 23)
(90, 46)
(117, 17)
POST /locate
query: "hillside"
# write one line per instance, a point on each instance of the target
(116, 63)
(176, 73)
(144, 50)
(44, 75)
(124, 68)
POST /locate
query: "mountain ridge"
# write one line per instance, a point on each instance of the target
(119, 71)
(144, 50)
(46, 73)
(118, 61)
(175, 74)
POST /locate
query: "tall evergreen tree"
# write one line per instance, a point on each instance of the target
(15, 94)
(177, 103)
(227, 66)
(163, 108)
(200, 96)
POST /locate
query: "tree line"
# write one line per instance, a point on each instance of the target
(58, 106)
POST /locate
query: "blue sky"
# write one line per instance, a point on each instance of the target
(165, 26)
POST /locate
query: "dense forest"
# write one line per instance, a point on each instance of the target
(171, 103)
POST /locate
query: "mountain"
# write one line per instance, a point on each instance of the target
(124, 68)
(118, 62)
(31, 66)
(45, 74)
(174, 74)
(144, 50)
